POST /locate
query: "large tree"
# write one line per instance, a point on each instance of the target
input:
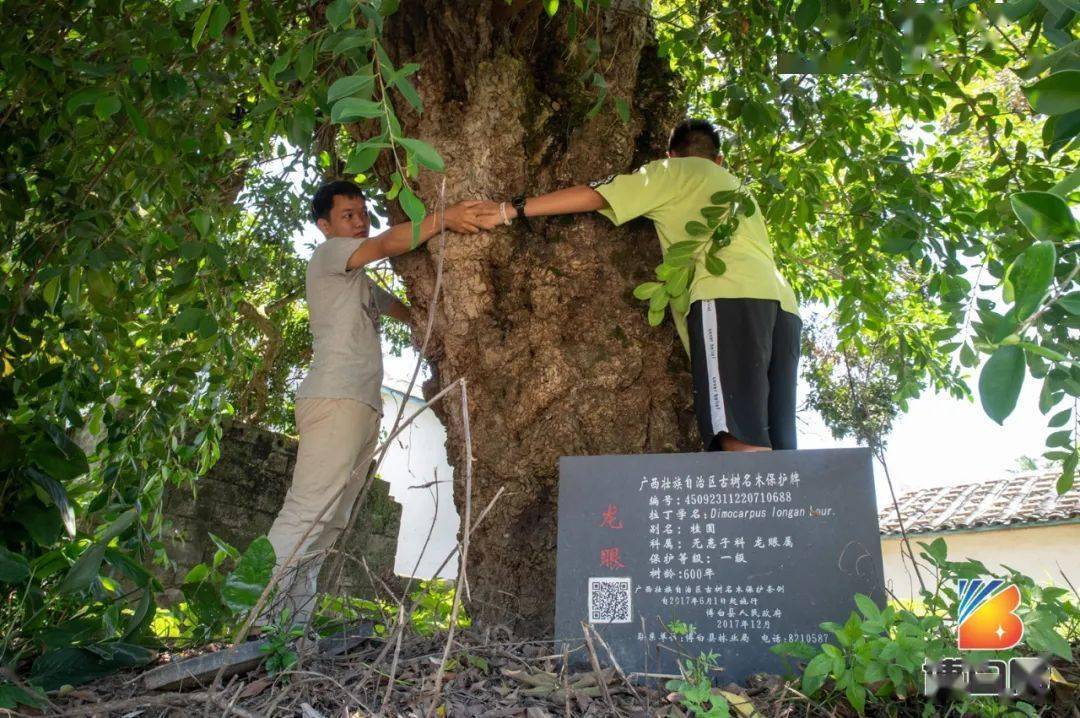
(540, 323)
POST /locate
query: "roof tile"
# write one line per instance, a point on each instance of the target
(1026, 499)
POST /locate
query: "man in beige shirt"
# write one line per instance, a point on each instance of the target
(338, 405)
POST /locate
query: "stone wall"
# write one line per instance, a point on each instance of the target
(240, 496)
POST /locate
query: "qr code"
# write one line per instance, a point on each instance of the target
(609, 600)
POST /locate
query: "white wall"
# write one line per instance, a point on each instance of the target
(1041, 552)
(415, 461)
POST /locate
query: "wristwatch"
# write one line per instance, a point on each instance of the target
(518, 203)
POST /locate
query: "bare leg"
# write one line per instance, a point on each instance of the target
(730, 443)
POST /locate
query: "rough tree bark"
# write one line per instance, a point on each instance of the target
(557, 354)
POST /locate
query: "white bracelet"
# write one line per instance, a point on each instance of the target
(502, 211)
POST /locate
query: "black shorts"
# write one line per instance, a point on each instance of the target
(744, 354)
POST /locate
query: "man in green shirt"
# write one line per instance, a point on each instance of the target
(742, 328)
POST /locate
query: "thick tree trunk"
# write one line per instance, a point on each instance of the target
(557, 354)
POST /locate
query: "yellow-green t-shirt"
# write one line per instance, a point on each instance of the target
(672, 192)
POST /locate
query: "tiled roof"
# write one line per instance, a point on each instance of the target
(1030, 499)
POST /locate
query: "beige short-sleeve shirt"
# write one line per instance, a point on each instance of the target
(343, 310)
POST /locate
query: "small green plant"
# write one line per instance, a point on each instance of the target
(878, 653)
(280, 655)
(676, 273)
(695, 688)
(434, 601)
(12, 696)
(217, 601)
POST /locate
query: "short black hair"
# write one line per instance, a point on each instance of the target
(694, 138)
(323, 201)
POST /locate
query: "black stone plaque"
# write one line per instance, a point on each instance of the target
(750, 549)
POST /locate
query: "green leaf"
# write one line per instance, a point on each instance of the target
(208, 326)
(680, 304)
(102, 287)
(897, 243)
(658, 302)
(143, 612)
(338, 13)
(1031, 276)
(351, 109)
(361, 158)
(119, 525)
(1070, 303)
(72, 665)
(1043, 638)
(200, 220)
(856, 695)
(937, 549)
(678, 282)
(645, 290)
(415, 210)
(1000, 382)
(1060, 419)
(245, 22)
(14, 568)
(1045, 215)
(83, 97)
(280, 63)
(191, 249)
(807, 13)
(218, 20)
(348, 86)
(51, 291)
(815, 673)
(107, 106)
(1068, 472)
(41, 521)
(1055, 94)
(223, 546)
(245, 584)
(84, 571)
(1062, 439)
(136, 118)
(188, 319)
(305, 60)
(425, 153)
(867, 606)
(714, 265)
(696, 229)
(12, 696)
(1044, 351)
(200, 24)
(551, 7)
(724, 197)
(59, 498)
(680, 254)
(1018, 9)
(401, 82)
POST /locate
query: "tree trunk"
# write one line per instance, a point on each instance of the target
(556, 352)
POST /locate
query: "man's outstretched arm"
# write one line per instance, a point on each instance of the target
(571, 200)
(461, 218)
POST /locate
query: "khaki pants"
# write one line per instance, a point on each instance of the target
(336, 437)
